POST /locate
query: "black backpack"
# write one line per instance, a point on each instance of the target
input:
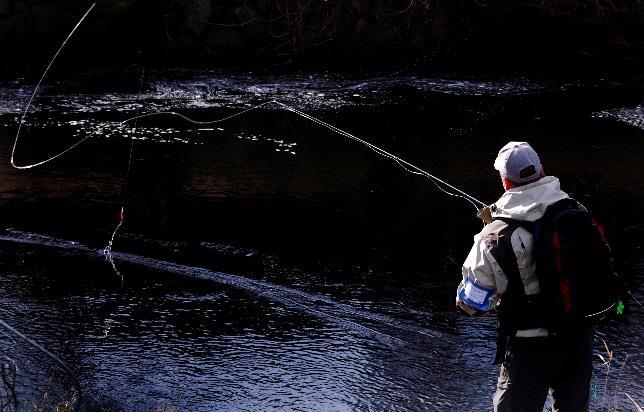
(579, 286)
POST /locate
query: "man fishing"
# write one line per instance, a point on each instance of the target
(542, 345)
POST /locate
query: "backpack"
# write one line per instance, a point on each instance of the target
(578, 284)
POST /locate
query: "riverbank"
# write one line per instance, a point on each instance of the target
(537, 36)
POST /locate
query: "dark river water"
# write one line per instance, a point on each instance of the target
(268, 263)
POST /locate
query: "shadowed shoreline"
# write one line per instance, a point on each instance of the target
(532, 36)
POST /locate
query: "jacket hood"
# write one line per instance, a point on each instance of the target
(529, 202)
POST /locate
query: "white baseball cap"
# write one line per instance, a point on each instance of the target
(518, 162)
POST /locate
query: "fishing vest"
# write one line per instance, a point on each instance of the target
(577, 283)
(516, 310)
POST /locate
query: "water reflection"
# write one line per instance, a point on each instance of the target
(355, 249)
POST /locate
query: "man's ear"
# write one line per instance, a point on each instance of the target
(507, 183)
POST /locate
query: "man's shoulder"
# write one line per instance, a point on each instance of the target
(494, 228)
(493, 231)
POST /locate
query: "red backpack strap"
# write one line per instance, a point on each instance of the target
(601, 230)
(564, 284)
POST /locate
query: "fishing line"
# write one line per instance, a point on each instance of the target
(401, 162)
(107, 252)
(50, 355)
(405, 165)
(198, 122)
(354, 325)
(634, 298)
(340, 313)
(439, 183)
(4, 324)
(33, 95)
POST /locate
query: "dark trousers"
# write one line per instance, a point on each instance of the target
(533, 366)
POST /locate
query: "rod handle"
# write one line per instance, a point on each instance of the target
(485, 214)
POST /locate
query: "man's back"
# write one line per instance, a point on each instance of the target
(500, 273)
(527, 203)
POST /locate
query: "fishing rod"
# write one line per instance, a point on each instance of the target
(407, 166)
(401, 162)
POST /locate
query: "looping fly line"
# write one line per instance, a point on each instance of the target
(33, 95)
(439, 183)
(405, 165)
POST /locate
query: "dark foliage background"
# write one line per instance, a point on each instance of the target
(455, 34)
